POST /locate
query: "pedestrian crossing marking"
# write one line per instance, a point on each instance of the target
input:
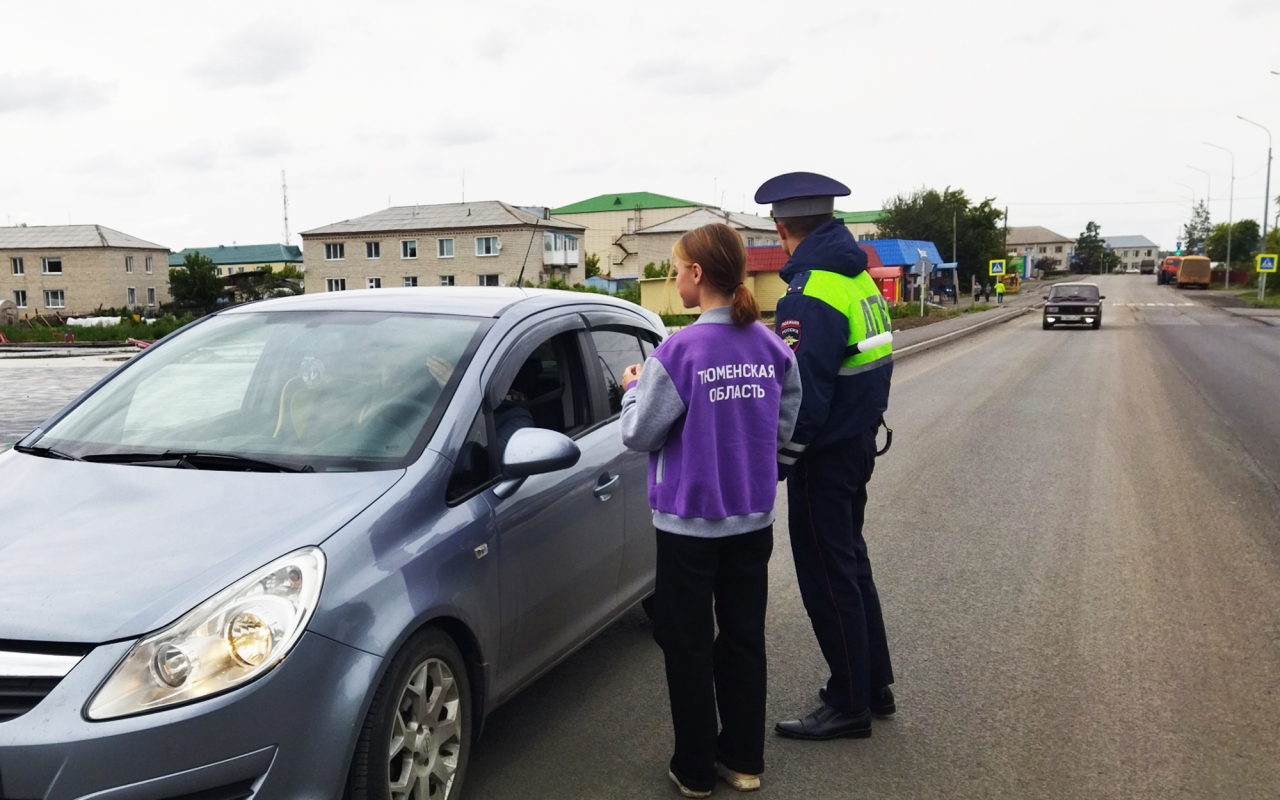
(1158, 305)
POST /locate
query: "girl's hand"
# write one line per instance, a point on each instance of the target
(630, 375)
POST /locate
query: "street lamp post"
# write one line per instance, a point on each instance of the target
(1230, 206)
(1266, 195)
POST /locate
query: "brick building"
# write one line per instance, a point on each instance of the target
(236, 259)
(74, 269)
(654, 243)
(452, 244)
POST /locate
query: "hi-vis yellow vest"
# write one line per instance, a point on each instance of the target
(860, 300)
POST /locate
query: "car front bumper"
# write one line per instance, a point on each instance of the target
(1072, 319)
(288, 734)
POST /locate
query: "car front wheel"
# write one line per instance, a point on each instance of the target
(1048, 326)
(417, 736)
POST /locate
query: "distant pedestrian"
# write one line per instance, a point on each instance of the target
(986, 292)
(999, 292)
(977, 290)
(712, 406)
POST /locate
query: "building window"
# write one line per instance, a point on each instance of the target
(1148, 252)
(486, 280)
(411, 280)
(51, 266)
(128, 263)
(751, 241)
(444, 248)
(446, 280)
(373, 283)
(487, 246)
(408, 248)
(133, 297)
(54, 298)
(334, 252)
(16, 264)
(1044, 249)
(335, 284)
(373, 249)
(1058, 249)
(151, 295)
(20, 298)
(148, 265)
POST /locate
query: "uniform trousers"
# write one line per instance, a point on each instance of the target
(827, 497)
(702, 583)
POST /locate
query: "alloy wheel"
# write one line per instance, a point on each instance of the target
(426, 734)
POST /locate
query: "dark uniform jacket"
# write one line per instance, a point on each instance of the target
(834, 408)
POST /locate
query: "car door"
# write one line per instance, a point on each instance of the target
(560, 537)
(618, 342)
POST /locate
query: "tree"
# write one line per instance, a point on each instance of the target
(930, 216)
(591, 265)
(1245, 238)
(660, 271)
(1197, 230)
(196, 283)
(1090, 249)
(1047, 263)
(264, 283)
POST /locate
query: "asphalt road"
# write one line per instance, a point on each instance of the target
(1077, 542)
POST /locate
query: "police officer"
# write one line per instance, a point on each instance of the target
(831, 304)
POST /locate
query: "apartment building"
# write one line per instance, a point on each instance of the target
(1036, 242)
(610, 218)
(236, 259)
(486, 243)
(1133, 250)
(74, 269)
(862, 224)
(654, 243)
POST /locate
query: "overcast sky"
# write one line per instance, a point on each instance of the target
(172, 121)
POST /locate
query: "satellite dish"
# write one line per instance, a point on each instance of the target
(8, 312)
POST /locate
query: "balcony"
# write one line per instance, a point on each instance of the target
(559, 250)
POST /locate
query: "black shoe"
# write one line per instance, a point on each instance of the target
(882, 704)
(827, 723)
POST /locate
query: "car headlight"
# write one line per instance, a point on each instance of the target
(228, 640)
(1053, 310)
(1090, 310)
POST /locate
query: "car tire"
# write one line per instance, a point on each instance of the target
(1097, 323)
(424, 700)
(1048, 326)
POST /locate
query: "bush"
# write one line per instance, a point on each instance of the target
(112, 333)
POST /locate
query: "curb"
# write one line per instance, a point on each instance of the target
(929, 344)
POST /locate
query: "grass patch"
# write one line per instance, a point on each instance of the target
(976, 308)
(112, 333)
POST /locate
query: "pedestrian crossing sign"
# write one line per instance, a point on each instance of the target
(997, 266)
(1267, 262)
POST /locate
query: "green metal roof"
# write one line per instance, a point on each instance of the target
(859, 216)
(243, 254)
(627, 201)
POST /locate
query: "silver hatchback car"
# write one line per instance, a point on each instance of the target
(302, 547)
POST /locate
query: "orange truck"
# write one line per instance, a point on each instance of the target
(1193, 271)
(1168, 272)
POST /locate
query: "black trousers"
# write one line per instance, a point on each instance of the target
(827, 496)
(727, 576)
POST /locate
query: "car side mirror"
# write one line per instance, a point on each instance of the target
(534, 451)
(1102, 297)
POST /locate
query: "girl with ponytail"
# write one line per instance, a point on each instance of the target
(712, 406)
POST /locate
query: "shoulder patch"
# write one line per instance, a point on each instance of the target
(789, 330)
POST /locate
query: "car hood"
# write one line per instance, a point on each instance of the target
(92, 553)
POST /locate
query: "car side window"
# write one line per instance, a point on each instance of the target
(548, 391)
(474, 466)
(616, 349)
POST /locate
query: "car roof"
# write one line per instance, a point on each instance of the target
(1075, 283)
(470, 301)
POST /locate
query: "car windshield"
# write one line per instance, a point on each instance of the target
(322, 391)
(1075, 293)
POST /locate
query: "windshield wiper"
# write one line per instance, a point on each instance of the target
(195, 459)
(46, 452)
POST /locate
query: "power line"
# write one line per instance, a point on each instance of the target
(1126, 202)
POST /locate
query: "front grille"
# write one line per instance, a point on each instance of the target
(20, 695)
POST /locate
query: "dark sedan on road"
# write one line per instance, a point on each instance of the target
(1073, 304)
(302, 547)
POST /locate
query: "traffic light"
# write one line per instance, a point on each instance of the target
(1179, 250)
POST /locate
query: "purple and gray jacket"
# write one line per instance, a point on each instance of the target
(714, 404)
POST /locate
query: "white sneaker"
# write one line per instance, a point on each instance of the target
(684, 790)
(743, 783)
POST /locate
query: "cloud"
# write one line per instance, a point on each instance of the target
(262, 143)
(48, 92)
(457, 134)
(494, 47)
(200, 156)
(256, 57)
(1251, 9)
(678, 76)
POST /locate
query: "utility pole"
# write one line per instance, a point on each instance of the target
(1266, 195)
(284, 194)
(1230, 208)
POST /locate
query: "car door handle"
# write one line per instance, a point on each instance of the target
(608, 485)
